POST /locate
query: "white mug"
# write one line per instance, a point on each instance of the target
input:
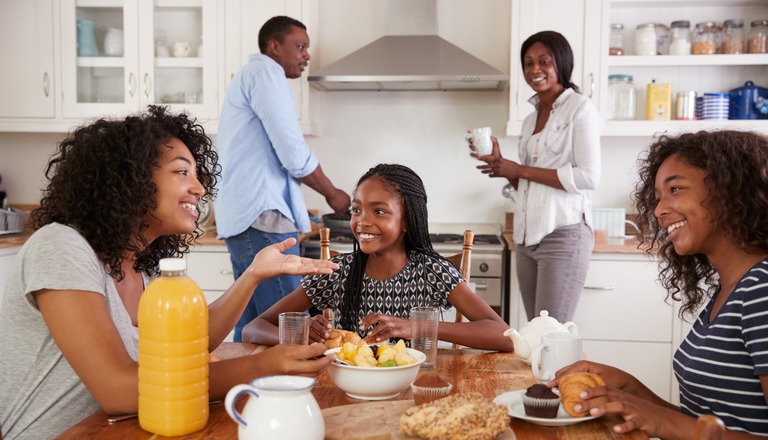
(557, 350)
(181, 48)
(481, 139)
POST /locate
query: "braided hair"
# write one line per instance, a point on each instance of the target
(409, 187)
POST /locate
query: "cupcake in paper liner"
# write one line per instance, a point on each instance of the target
(429, 387)
(540, 401)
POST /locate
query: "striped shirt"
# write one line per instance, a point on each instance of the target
(718, 364)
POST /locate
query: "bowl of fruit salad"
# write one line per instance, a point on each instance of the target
(374, 372)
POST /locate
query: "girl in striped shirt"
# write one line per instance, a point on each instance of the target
(703, 202)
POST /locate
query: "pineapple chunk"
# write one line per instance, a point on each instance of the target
(400, 345)
(365, 351)
(403, 358)
(387, 354)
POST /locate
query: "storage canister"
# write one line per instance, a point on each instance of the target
(758, 37)
(745, 102)
(685, 106)
(621, 98)
(659, 102)
(616, 39)
(681, 38)
(705, 38)
(733, 36)
(645, 39)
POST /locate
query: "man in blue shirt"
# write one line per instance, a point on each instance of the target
(265, 159)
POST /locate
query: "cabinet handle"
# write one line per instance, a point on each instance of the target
(147, 85)
(226, 272)
(131, 84)
(608, 287)
(46, 84)
(591, 84)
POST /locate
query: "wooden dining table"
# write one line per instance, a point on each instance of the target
(489, 373)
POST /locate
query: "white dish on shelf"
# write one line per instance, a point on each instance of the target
(513, 400)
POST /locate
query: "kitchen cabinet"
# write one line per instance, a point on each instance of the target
(622, 318)
(243, 22)
(127, 79)
(210, 268)
(7, 257)
(575, 19)
(585, 23)
(701, 73)
(28, 83)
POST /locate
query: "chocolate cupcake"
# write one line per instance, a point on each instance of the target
(540, 401)
(429, 387)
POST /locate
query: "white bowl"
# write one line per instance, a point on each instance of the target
(375, 383)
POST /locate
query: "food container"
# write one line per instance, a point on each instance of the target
(758, 37)
(645, 39)
(621, 98)
(733, 36)
(681, 38)
(746, 102)
(715, 106)
(705, 38)
(616, 39)
(658, 102)
(685, 106)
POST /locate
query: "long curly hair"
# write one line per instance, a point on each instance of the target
(100, 183)
(736, 167)
(404, 182)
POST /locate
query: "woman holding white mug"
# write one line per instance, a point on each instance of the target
(552, 185)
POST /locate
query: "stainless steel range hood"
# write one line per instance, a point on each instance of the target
(407, 59)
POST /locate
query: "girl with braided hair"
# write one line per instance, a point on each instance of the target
(392, 268)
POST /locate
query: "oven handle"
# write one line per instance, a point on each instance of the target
(608, 287)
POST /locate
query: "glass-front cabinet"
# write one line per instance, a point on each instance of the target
(118, 56)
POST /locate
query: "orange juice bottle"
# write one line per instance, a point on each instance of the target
(173, 353)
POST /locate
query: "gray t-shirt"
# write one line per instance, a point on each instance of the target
(40, 394)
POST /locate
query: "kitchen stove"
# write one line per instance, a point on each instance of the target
(488, 255)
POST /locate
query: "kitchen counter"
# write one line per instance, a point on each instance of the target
(607, 246)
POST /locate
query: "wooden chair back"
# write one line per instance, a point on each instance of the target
(709, 427)
(463, 261)
(325, 244)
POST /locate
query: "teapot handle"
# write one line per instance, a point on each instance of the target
(229, 402)
(571, 327)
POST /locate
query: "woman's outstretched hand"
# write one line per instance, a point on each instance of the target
(271, 262)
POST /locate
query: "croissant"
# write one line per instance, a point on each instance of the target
(572, 385)
(338, 337)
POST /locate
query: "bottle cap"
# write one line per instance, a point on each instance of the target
(173, 264)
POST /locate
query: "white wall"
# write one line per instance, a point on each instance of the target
(423, 130)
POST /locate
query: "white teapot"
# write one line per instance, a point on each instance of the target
(529, 336)
(280, 407)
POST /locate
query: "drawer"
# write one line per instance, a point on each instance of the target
(649, 362)
(210, 270)
(489, 289)
(622, 301)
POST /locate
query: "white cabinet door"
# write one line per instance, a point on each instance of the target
(243, 22)
(576, 20)
(27, 85)
(210, 268)
(119, 84)
(649, 362)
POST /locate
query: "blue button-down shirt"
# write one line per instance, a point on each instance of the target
(261, 149)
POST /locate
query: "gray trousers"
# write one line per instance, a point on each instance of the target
(552, 273)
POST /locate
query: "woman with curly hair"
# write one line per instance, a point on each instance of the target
(122, 195)
(703, 204)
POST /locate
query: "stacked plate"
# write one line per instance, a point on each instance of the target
(715, 106)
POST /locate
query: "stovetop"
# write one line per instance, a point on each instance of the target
(348, 237)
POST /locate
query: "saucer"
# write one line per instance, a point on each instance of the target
(514, 403)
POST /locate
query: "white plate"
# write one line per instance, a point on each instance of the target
(514, 402)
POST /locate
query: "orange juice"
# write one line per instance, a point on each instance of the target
(173, 353)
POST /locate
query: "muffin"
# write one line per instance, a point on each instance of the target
(540, 401)
(429, 387)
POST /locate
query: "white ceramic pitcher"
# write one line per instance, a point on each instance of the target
(280, 407)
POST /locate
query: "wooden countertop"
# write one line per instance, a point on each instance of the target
(609, 246)
(488, 373)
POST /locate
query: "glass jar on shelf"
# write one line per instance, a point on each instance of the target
(645, 39)
(758, 37)
(616, 39)
(621, 98)
(705, 38)
(733, 36)
(681, 38)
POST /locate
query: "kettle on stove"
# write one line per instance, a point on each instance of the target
(748, 102)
